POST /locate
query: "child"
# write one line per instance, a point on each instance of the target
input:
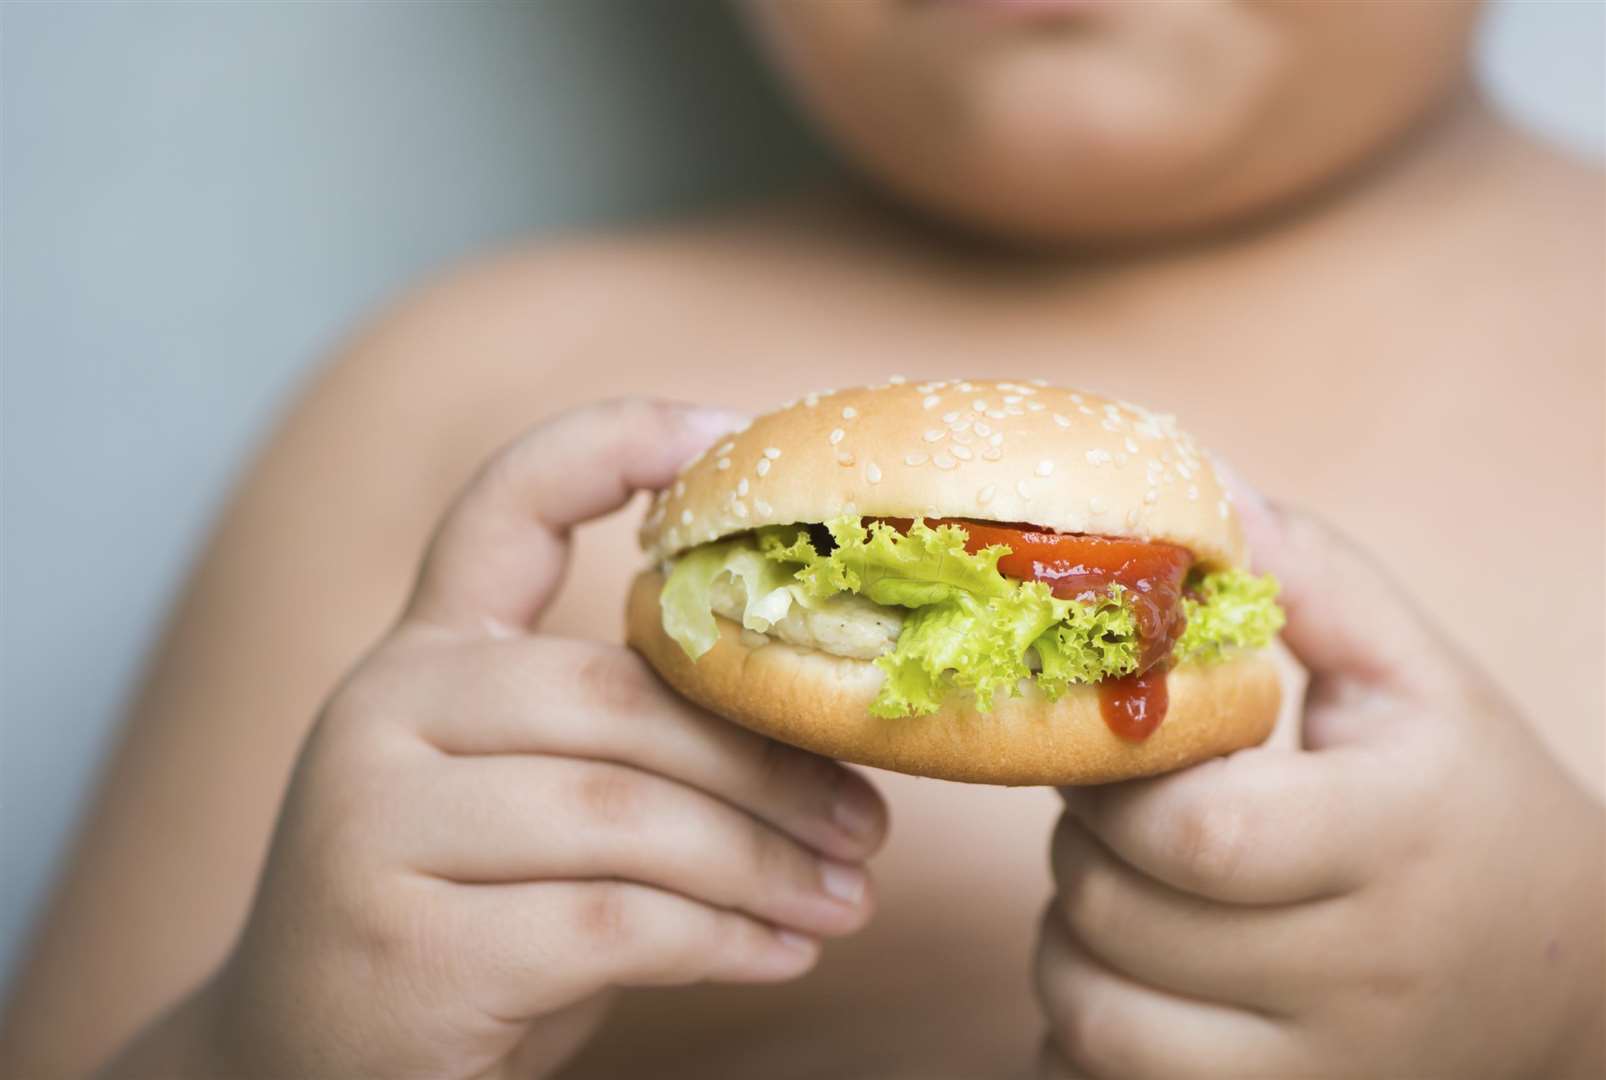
(1297, 226)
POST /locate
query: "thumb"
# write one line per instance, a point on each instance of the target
(499, 554)
(1349, 622)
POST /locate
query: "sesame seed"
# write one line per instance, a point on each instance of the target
(1034, 406)
(1084, 410)
(979, 405)
(962, 453)
(1096, 505)
(965, 388)
(934, 434)
(930, 401)
(771, 452)
(1151, 496)
(996, 438)
(723, 464)
(680, 488)
(1022, 489)
(762, 507)
(872, 473)
(1076, 399)
(1221, 507)
(1012, 410)
(896, 380)
(763, 466)
(727, 448)
(849, 412)
(992, 453)
(985, 495)
(950, 417)
(1098, 457)
(740, 508)
(741, 486)
(743, 426)
(915, 459)
(1131, 445)
(944, 461)
(685, 517)
(844, 459)
(1110, 423)
(984, 430)
(1045, 467)
(836, 435)
(811, 400)
(1013, 399)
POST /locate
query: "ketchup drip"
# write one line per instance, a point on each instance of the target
(1081, 567)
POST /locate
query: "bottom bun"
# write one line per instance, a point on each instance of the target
(821, 702)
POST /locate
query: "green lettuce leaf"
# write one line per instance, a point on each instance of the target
(1094, 641)
(687, 598)
(969, 627)
(1235, 610)
(924, 566)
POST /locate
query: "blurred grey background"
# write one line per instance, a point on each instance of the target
(196, 200)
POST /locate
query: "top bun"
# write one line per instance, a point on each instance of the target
(1066, 460)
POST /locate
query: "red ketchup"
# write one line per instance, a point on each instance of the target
(1077, 566)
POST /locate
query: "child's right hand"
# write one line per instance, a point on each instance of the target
(489, 828)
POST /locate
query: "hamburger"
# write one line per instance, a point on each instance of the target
(988, 581)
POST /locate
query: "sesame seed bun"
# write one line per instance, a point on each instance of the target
(1002, 451)
(821, 703)
(996, 450)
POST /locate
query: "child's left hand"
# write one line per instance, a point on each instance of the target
(1418, 890)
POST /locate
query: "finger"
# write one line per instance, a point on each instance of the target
(542, 946)
(509, 818)
(582, 699)
(1267, 958)
(498, 555)
(1348, 620)
(1264, 826)
(1107, 1025)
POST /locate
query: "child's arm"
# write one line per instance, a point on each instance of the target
(1417, 891)
(488, 828)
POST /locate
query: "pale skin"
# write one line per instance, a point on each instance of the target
(1416, 358)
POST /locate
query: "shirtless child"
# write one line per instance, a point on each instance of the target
(1295, 225)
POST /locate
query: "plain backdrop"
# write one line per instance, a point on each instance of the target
(197, 200)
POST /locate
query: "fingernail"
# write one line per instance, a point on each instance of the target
(854, 811)
(844, 882)
(796, 941)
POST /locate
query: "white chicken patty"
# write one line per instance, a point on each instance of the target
(843, 625)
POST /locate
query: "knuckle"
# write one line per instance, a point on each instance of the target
(611, 796)
(615, 680)
(1208, 844)
(607, 917)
